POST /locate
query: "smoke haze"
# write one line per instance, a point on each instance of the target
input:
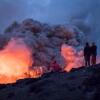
(50, 11)
(84, 14)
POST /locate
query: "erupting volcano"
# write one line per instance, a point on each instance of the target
(49, 50)
(16, 61)
(32, 45)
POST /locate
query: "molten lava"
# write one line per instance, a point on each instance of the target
(73, 58)
(15, 62)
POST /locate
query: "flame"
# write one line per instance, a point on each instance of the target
(15, 62)
(72, 57)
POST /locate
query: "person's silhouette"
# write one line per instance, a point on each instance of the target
(87, 54)
(93, 53)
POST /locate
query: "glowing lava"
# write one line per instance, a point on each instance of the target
(15, 60)
(73, 58)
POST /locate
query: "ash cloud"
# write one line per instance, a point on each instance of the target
(83, 14)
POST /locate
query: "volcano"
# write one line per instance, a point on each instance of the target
(25, 56)
(28, 47)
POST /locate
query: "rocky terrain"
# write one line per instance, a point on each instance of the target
(79, 84)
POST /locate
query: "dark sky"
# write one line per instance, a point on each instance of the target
(50, 11)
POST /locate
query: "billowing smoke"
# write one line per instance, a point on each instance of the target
(83, 14)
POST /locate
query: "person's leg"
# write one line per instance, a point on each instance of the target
(93, 60)
(88, 60)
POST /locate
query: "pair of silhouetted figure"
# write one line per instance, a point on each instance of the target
(90, 53)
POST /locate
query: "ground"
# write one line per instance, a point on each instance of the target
(79, 84)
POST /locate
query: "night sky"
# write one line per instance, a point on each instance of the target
(49, 11)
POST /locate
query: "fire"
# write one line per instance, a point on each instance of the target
(15, 62)
(72, 57)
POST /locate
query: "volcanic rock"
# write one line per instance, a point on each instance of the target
(82, 84)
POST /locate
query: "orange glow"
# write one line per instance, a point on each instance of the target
(72, 57)
(15, 62)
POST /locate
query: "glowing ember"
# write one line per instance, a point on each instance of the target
(15, 62)
(73, 58)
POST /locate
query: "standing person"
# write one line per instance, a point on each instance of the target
(87, 54)
(93, 53)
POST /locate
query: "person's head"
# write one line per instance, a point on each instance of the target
(93, 43)
(87, 44)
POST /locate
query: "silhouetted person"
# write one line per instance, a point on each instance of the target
(93, 53)
(87, 54)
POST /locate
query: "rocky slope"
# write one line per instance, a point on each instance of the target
(79, 84)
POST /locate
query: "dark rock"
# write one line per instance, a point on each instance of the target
(75, 85)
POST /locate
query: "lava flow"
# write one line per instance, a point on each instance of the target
(73, 58)
(15, 62)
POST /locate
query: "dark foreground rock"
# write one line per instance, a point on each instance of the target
(82, 84)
